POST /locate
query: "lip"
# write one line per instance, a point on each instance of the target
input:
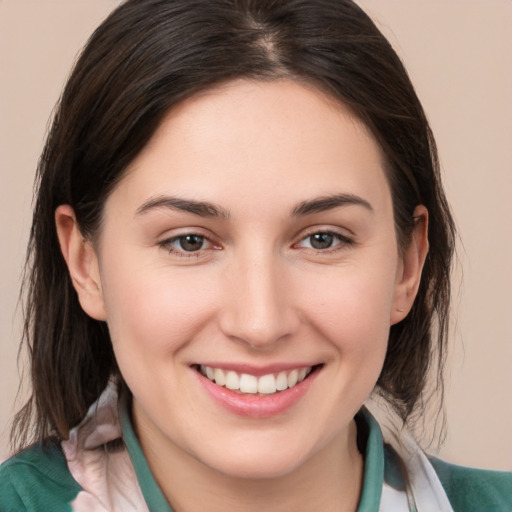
(255, 406)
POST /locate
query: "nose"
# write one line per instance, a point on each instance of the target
(258, 307)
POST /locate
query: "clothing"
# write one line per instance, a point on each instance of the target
(102, 468)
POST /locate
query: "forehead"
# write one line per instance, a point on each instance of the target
(248, 139)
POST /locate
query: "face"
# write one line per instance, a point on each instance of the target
(251, 243)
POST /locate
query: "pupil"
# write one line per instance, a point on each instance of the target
(191, 242)
(321, 240)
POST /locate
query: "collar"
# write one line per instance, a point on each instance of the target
(105, 458)
(373, 466)
(373, 451)
(154, 497)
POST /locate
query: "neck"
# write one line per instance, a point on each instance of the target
(330, 480)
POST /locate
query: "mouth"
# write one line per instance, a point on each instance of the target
(263, 385)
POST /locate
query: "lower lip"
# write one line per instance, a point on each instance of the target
(255, 406)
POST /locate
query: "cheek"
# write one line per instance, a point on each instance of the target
(152, 311)
(352, 308)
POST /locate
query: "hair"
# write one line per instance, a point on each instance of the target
(145, 58)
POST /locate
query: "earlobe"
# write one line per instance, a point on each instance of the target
(411, 266)
(82, 262)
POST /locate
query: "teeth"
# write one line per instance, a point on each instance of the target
(219, 377)
(232, 380)
(267, 384)
(293, 378)
(281, 381)
(250, 384)
(210, 373)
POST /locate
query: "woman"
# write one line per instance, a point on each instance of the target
(240, 234)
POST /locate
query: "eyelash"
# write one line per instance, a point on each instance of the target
(343, 242)
(182, 253)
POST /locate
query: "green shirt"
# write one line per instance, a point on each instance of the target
(38, 479)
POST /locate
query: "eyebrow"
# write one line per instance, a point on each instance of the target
(201, 208)
(324, 203)
(207, 209)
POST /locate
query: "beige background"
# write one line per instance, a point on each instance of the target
(459, 54)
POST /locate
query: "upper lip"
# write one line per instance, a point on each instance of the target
(257, 370)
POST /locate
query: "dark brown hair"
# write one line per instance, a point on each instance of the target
(146, 57)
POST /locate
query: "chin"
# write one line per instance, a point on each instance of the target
(259, 459)
(266, 467)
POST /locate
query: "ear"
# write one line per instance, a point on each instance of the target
(410, 267)
(82, 263)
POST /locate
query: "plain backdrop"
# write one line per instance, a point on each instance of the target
(459, 56)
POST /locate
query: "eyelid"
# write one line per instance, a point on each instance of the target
(344, 239)
(167, 244)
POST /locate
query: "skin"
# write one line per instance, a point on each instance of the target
(256, 292)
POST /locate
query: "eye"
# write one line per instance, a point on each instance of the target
(324, 240)
(188, 243)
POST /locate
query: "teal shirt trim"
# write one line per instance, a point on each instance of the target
(373, 470)
(373, 465)
(37, 480)
(152, 493)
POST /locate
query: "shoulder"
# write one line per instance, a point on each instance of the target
(470, 489)
(37, 479)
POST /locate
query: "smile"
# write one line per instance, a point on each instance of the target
(245, 383)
